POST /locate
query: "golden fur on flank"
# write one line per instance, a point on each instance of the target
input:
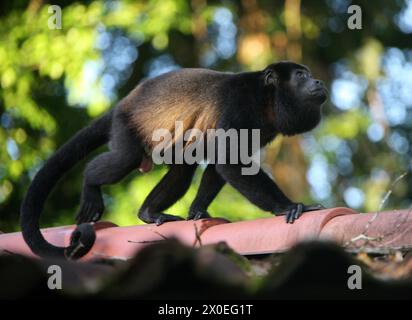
(179, 100)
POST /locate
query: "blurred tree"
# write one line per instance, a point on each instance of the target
(52, 82)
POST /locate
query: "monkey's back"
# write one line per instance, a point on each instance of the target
(187, 95)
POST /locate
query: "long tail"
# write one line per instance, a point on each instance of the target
(83, 237)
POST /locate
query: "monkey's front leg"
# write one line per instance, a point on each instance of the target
(210, 186)
(262, 191)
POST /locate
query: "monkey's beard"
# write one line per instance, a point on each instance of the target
(292, 117)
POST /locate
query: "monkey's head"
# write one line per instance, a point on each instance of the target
(297, 97)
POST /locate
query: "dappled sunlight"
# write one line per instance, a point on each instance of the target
(54, 82)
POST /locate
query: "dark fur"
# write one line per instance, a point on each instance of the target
(274, 100)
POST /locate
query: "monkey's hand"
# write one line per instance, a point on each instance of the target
(295, 210)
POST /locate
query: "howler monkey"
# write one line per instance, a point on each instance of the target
(281, 99)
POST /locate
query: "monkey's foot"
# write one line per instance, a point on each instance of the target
(198, 214)
(294, 211)
(89, 212)
(157, 218)
(91, 207)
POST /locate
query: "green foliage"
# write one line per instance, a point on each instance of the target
(53, 82)
(347, 125)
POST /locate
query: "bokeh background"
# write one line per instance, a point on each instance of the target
(53, 82)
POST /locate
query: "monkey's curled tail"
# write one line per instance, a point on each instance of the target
(83, 237)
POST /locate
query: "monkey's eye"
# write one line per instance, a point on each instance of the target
(301, 75)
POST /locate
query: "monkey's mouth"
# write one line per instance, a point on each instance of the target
(320, 93)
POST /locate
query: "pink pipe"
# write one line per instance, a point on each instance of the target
(272, 234)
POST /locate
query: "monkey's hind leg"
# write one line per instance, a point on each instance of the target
(170, 189)
(108, 168)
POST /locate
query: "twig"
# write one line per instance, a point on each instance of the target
(151, 241)
(363, 235)
(159, 234)
(145, 241)
(197, 235)
(380, 250)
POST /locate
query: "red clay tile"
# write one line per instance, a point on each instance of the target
(385, 229)
(59, 236)
(258, 236)
(113, 241)
(123, 242)
(272, 234)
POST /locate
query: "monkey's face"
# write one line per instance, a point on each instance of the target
(298, 97)
(306, 90)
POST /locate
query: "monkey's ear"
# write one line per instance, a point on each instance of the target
(271, 78)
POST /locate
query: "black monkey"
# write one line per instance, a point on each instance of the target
(281, 99)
